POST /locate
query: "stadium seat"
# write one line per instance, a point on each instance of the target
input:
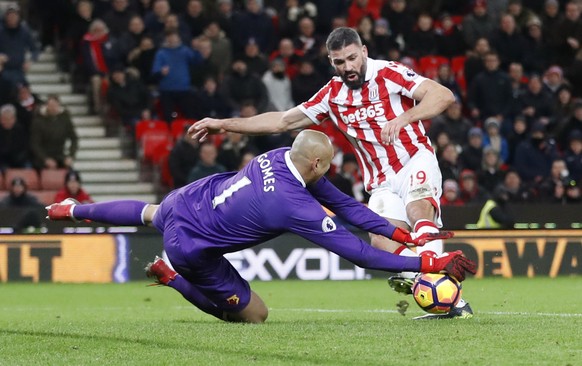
(177, 127)
(458, 69)
(429, 65)
(142, 127)
(52, 179)
(155, 146)
(30, 176)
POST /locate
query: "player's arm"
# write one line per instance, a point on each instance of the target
(315, 226)
(265, 123)
(432, 98)
(365, 219)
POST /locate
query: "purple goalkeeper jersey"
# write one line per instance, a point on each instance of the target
(229, 212)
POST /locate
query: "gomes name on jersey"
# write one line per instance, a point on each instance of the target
(267, 174)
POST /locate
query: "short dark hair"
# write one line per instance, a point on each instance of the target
(342, 37)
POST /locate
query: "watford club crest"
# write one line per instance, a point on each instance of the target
(233, 300)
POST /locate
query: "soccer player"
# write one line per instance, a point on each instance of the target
(278, 191)
(378, 105)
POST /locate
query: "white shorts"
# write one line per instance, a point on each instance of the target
(420, 178)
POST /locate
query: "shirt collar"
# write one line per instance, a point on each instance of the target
(369, 71)
(293, 169)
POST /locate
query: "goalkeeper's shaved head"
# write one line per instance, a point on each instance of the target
(311, 153)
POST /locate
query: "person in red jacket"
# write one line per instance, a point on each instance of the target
(73, 189)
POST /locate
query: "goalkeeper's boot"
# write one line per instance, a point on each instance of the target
(401, 284)
(62, 210)
(463, 312)
(160, 271)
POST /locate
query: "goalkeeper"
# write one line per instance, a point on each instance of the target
(281, 190)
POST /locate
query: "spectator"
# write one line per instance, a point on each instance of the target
(128, 97)
(183, 158)
(363, 8)
(508, 42)
(517, 135)
(536, 57)
(99, 56)
(27, 105)
(172, 24)
(536, 103)
(142, 59)
(422, 41)
(573, 156)
(574, 123)
(225, 17)
(131, 37)
(490, 174)
(241, 87)
(474, 64)
(569, 35)
(118, 17)
(494, 139)
(306, 40)
(72, 189)
(53, 138)
(155, 19)
(290, 56)
(306, 83)
(451, 42)
(470, 191)
(550, 18)
(495, 214)
(449, 162)
(490, 91)
(478, 24)
(446, 78)
(553, 79)
(562, 109)
(471, 156)
(400, 18)
(7, 89)
(254, 23)
(221, 55)
(211, 102)
(278, 86)
(348, 179)
(206, 164)
(171, 67)
(518, 191)
(19, 198)
(232, 150)
(442, 140)
(291, 16)
(14, 140)
(551, 188)
(520, 14)
(384, 40)
(78, 26)
(453, 123)
(451, 194)
(257, 62)
(15, 41)
(196, 18)
(205, 69)
(533, 157)
(518, 87)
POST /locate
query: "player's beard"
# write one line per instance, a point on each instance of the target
(357, 82)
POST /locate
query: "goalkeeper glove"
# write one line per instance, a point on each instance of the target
(454, 263)
(419, 239)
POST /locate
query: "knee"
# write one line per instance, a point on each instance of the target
(258, 317)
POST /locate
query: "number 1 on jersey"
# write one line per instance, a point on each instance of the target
(217, 200)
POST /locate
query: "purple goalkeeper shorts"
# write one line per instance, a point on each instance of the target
(212, 274)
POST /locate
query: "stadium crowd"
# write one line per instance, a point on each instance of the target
(515, 67)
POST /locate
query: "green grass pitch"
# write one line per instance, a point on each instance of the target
(517, 322)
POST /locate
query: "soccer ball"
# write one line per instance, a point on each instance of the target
(436, 293)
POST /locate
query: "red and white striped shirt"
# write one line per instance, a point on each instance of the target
(361, 114)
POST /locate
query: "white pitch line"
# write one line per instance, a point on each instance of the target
(512, 313)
